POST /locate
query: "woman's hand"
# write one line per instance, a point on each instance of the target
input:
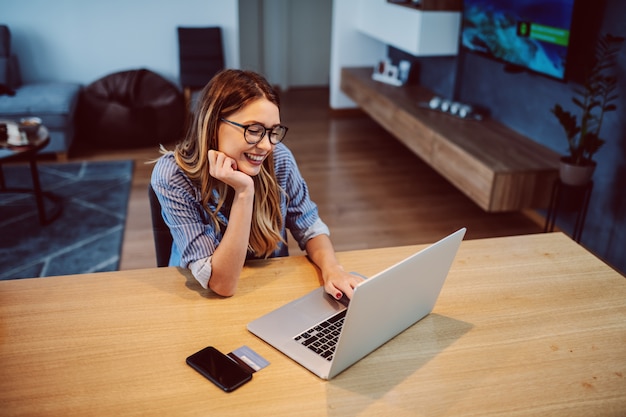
(337, 282)
(224, 168)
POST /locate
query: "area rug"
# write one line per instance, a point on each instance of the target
(87, 235)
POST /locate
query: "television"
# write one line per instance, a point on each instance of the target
(529, 35)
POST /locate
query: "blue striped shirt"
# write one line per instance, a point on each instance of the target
(196, 238)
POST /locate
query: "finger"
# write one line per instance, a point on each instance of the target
(213, 161)
(351, 285)
(219, 159)
(220, 165)
(339, 293)
(333, 291)
(225, 161)
(213, 156)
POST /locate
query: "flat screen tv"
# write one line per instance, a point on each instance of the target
(527, 34)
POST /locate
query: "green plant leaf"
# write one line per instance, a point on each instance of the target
(594, 98)
(567, 120)
(592, 144)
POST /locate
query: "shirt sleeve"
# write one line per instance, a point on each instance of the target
(195, 238)
(201, 270)
(302, 217)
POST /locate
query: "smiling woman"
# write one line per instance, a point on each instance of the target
(228, 194)
(249, 154)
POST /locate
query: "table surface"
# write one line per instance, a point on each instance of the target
(36, 142)
(525, 326)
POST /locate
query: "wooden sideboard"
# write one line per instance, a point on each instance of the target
(499, 169)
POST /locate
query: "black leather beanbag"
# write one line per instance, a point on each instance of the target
(130, 109)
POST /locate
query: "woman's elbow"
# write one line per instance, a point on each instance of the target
(224, 277)
(222, 289)
(222, 293)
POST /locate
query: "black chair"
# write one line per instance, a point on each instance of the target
(201, 56)
(161, 233)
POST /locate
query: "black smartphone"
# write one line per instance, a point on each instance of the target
(219, 369)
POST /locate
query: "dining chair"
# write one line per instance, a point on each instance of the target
(161, 233)
(201, 56)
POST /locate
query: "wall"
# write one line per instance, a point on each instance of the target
(522, 101)
(357, 35)
(83, 40)
(309, 42)
(275, 40)
(349, 48)
(251, 39)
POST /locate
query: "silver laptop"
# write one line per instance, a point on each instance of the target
(381, 307)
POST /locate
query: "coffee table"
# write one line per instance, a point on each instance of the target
(28, 152)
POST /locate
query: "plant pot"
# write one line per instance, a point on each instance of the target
(576, 175)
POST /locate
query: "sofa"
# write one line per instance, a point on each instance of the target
(53, 102)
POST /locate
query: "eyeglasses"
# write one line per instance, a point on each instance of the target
(254, 133)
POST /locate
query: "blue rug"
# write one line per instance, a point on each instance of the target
(87, 235)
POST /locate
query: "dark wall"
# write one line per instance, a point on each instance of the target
(522, 101)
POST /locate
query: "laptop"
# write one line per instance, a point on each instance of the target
(382, 306)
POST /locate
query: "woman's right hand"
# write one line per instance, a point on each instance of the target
(224, 168)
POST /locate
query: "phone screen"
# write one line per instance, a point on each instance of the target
(219, 369)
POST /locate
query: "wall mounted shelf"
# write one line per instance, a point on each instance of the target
(418, 32)
(430, 5)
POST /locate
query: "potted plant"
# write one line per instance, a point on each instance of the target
(594, 98)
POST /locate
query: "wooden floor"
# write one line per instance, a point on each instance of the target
(371, 191)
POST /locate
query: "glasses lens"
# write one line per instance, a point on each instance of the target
(277, 134)
(254, 133)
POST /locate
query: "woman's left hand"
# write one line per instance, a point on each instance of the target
(338, 282)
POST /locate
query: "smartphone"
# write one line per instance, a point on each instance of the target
(219, 369)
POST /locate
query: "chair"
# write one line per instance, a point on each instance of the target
(201, 56)
(161, 233)
(131, 108)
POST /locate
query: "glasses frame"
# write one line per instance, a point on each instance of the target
(265, 130)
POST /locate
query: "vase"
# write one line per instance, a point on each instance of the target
(576, 175)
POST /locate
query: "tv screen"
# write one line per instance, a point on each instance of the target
(531, 34)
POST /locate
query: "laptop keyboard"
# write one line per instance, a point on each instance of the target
(322, 338)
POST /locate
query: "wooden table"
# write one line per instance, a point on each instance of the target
(525, 326)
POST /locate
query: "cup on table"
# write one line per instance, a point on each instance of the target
(30, 125)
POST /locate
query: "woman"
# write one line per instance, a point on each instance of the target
(230, 189)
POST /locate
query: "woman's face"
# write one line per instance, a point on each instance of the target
(230, 138)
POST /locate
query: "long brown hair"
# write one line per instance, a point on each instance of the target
(229, 91)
